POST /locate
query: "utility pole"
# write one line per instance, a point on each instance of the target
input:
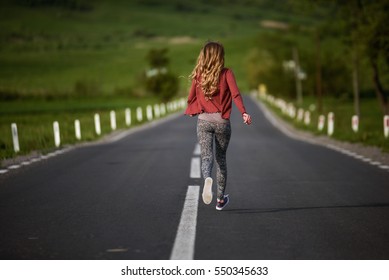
(356, 83)
(297, 77)
(318, 75)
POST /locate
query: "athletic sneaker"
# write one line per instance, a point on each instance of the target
(207, 190)
(220, 205)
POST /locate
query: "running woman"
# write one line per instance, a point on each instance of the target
(212, 91)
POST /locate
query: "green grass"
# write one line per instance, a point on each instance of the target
(370, 131)
(49, 49)
(35, 121)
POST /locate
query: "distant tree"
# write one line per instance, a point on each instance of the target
(363, 28)
(158, 79)
(157, 58)
(366, 26)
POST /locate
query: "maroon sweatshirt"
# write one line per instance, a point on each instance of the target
(221, 101)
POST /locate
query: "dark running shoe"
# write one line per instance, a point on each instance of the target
(221, 203)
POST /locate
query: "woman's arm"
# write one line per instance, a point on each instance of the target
(237, 97)
(192, 108)
(192, 92)
(235, 93)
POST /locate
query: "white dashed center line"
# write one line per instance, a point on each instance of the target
(196, 151)
(195, 168)
(184, 244)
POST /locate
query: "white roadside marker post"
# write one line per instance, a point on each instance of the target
(330, 124)
(157, 111)
(149, 112)
(112, 115)
(163, 109)
(291, 111)
(127, 112)
(262, 90)
(300, 114)
(15, 137)
(355, 123)
(182, 103)
(97, 124)
(322, 120)
(139, 114)
(386, 126)
(77, 128)
(57, 136)
(307, 118)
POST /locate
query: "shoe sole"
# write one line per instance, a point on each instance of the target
(207, 191)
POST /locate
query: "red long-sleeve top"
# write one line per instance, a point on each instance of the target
(221, 101)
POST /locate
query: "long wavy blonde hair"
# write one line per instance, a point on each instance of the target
(210, 63)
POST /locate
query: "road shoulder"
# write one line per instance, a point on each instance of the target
(369, 152)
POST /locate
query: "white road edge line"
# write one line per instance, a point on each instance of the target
(145, 126)
(284, 130)
(195, 168)
(16, 166)
(184, 244)
(112, 139)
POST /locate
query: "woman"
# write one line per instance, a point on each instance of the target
(210, 97)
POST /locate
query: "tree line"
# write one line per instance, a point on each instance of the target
(344, 52)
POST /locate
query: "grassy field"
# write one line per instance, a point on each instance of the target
(49, 49)
(370, 130)
(35, 121)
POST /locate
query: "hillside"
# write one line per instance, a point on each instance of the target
(51, 46)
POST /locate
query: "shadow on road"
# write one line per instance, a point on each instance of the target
(271, 210)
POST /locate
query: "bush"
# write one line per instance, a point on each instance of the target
(158, 80)
(163, 84)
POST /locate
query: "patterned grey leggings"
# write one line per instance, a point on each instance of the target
(206, 133)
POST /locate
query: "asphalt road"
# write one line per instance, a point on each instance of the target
(123, 200)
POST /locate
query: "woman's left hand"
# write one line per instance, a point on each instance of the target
(246, 119)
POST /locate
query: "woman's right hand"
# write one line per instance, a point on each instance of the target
(246, 119)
